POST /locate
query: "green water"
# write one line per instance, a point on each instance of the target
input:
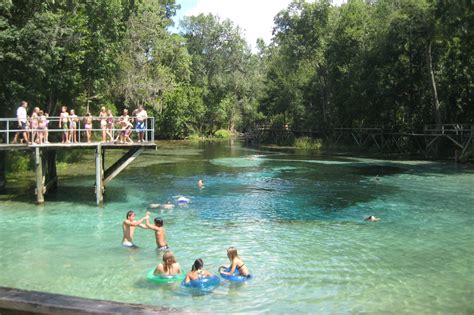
(297, 221)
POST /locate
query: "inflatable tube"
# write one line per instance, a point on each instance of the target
(183, 200)
(236, 276)
(204, 284)
(163, 278)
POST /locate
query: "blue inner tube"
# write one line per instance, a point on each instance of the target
(163, 278)
(236, 276)
(204, 284)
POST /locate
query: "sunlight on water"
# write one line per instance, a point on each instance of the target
(296, 220)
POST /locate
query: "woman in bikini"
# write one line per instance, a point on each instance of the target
(197, 271)
(236, 263)
(73, 119)
(110, 125)
(103, 123)
(88, 126)
(169, 266)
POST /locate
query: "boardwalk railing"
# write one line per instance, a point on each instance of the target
(9, 127)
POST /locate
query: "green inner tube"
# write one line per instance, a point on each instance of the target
(164, 278)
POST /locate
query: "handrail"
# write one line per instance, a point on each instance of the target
(9, 126)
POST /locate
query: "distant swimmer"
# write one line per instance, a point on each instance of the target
(372, 219)
(129, 225)
(168, 205)
(154, 205)
(251, 158)
(200, 184)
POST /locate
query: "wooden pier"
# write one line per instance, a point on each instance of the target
(44, 156)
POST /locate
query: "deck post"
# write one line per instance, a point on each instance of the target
(51, 175)
(39, 176)
(99, 176)
(3, 177)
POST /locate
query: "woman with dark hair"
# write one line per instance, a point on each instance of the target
(197, 271)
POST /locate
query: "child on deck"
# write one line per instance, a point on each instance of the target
(34, 119)
(46, 130)
(73, 119)
(126, 130)
(236, 263)
(169, 266)
(160, 234)
(197, 271)
(63, 123)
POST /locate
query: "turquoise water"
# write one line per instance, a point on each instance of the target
(297, 221)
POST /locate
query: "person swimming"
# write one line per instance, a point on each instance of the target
(372, 219)
(197, 271)
(168, 205)
(236, 263)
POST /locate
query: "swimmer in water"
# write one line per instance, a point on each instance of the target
(168, 205)
(154, 205)
(200, 184)
(129, 225)
(372, 219)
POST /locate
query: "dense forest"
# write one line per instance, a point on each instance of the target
(402, 63)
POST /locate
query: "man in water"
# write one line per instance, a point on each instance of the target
(160, 234)
(372, 219)
(129, 225)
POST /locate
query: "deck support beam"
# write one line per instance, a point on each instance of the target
(99, 175)
(45, 173)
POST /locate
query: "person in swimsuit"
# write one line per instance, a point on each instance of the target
(110, 125)
(34, 125)
(140, 117)
(73, 119)
(197, 271)
(63, 123)
(169, 266)
(236, 263)
(200, 184)
(372, 219)
(103, 123)
(41, 127)
(129, 225)
(160, 233)
(88, 126)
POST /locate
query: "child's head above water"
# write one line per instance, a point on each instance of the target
(158, 221)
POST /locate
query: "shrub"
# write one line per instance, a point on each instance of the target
(223, 134)
(307, 143)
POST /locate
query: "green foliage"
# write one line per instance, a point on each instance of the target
(17, 162)
(223, 134)
(307, 143)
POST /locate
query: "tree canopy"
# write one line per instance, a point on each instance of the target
(402, 63)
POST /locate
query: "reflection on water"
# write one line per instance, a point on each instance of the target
(296, 220)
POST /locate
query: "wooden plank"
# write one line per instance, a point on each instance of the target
(39, 176)
(122, 163)
(17, 301)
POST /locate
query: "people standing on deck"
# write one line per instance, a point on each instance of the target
(103, 123)
(22, 117)
(88, 126)
(63, 123)
(73, 120)
(169, 266)
(140, 117)
(34, 119)
(160, 233)
(129, 225)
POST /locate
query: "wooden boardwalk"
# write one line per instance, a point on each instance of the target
(383, 137)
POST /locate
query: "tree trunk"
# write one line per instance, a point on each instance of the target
(434, 92)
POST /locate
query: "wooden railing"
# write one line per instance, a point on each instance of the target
(9, 127)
